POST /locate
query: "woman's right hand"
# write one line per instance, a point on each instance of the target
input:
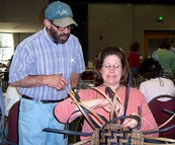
(108, 107)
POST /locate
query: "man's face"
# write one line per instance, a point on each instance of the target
(60, 34)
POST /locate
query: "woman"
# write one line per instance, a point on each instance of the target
(111, 70)
(155, 85)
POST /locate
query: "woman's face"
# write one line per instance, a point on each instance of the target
(111, 71)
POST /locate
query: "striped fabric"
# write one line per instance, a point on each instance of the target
(38, 55)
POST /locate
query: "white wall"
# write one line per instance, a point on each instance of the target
(120, 25)
(22, 14)
(112, 22)
(21, 17)
(23, 10)
(116, 24)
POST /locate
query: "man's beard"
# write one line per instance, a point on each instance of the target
(57, 38)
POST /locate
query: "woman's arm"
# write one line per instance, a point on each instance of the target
(63, 111)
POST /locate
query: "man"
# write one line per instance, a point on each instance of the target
(45, 66)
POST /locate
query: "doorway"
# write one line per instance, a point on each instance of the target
(153, 38)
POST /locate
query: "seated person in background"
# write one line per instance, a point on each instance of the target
(11, 97)
(155, 84)
(111, 70)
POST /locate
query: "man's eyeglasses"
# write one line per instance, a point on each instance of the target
(70, 27)
(108, 66)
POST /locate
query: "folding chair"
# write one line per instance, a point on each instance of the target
(3, 139)
(13, 123)
(158, 109)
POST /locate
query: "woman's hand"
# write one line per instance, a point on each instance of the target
(118, 108)
(129, 122)
(105, 104)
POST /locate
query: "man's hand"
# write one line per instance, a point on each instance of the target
(56, 81)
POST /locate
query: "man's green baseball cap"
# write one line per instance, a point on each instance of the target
(60, 13)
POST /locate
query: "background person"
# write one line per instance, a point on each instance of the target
(111, 70)
(166, 58)
(134, 58)
(155, 84)
(44, 67)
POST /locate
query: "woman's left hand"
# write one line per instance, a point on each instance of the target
(129, 122)
(119, 109)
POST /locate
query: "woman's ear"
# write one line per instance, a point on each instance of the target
(47, 23)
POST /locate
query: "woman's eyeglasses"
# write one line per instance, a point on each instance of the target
(108, 66)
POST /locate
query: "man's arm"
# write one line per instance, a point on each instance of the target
(74, 79)
(55, 81)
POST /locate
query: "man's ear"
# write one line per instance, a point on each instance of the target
(47, 23)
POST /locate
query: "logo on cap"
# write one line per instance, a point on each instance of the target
(58, 10)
